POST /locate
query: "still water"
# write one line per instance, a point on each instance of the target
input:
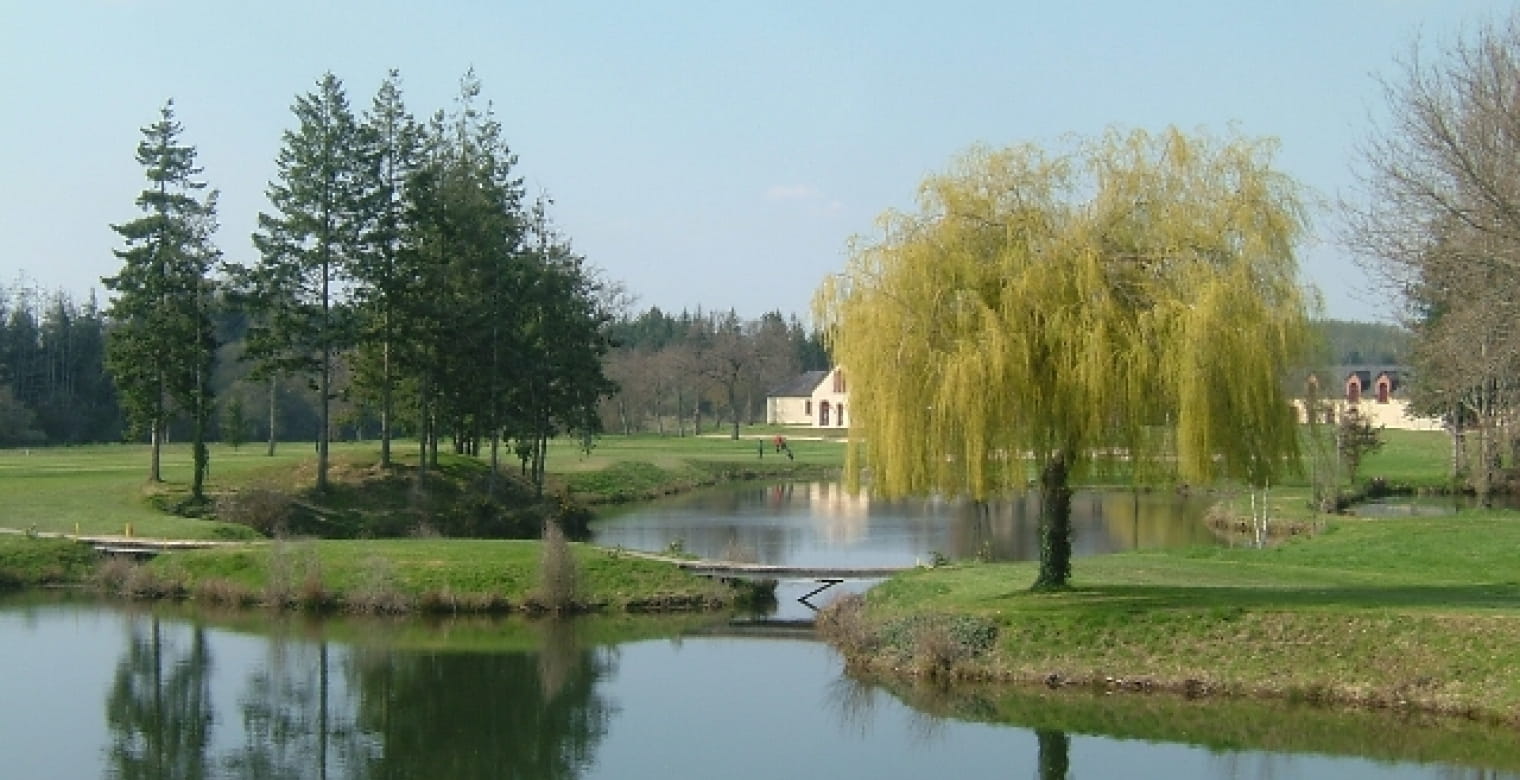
(93, 689)
(822, 524)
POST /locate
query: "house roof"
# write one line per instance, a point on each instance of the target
(800, 386)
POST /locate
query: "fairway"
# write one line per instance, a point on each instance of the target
(101, 489)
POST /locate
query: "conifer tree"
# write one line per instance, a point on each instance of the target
(308, 246)
(161, 345)
(393, 139)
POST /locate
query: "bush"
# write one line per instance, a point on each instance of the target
(379, 592)
(843, 624)
(557, 575)
(263, 509)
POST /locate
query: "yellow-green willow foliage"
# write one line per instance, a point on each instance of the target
(1134, 299)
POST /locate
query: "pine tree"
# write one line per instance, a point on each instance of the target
(393, 140)
(161, 345)
(308, 247)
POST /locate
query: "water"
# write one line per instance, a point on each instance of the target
(822, 524)
(103, 690)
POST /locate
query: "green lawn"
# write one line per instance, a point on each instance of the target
(1423, 612)
(102, 489)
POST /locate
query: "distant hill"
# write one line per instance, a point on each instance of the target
(1363, 343)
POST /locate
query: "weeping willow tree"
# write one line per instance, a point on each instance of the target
(1134, 299)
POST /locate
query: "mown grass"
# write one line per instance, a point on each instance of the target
(1420, 613)
(102, 489)
(28, 562)
(412, 575)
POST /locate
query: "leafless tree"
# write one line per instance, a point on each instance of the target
(1437, 220)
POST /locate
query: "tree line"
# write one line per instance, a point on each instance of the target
(675, 371)
(403, 284)
(400, 267)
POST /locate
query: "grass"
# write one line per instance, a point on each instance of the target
(1416, 613)
(27, 562)
(102, 489)
(407, 575)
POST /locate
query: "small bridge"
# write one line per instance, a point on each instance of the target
(826, 576)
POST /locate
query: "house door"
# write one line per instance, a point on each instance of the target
(823, 415)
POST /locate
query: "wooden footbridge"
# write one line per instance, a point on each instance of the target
(826, 576)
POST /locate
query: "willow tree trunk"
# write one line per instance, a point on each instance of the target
(1055, 523)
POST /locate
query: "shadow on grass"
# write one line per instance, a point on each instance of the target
(1447, 598)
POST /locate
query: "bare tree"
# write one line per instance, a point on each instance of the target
(1438, 222)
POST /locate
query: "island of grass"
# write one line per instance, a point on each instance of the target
(1409, 613)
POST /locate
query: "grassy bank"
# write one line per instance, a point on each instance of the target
(634, 468)
(1225, 725)
(102, 489)
(378, 576)
(1421, 614)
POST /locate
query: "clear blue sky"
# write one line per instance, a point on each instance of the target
(704, 154)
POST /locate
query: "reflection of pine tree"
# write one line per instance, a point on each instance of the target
(1055, 754)
(297, 722)
(473, 715)
(159, 707)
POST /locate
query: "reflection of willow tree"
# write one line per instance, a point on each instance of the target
(159, 707)
(485, 715)
(296, 722)
(1055, 754)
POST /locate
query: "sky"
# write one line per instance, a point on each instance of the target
(703, 154)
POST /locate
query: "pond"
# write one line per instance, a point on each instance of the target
(95, 689)
(822, 524)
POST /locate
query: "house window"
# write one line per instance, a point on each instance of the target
(823, 415)
(807, 407)
(840, 415)
(1353, 391)
(839, 381)
(1382, 390)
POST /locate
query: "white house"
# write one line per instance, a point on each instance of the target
(1377, 395)
(815, 398)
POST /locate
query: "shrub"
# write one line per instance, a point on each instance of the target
(263, 509)
(224, 592)
(111, 574)
(843, 624)
(936, 644)
(557, 575)
(378, 592)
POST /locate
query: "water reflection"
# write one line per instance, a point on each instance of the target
(193, 695)
(821, 523)
(159, 705)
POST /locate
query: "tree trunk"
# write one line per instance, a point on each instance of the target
(385, 397)
(326, 388)
(157, 438)
(326, 379)
(495, 462)
(274, 394)
(1055, 524)
(201, 456)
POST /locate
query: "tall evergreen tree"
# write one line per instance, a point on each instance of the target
(309, 245)
(161, 345)
(393, 139)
